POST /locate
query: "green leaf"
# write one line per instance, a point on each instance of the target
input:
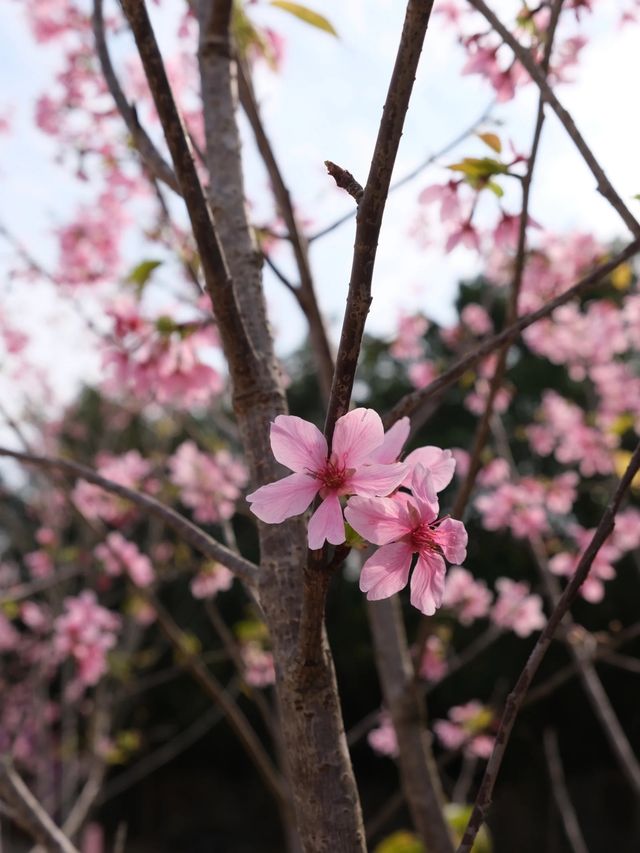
(141, 273)
(306, 15)
(637, 196)
(492, 140)
(495, 188)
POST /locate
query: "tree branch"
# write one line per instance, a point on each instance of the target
(561, 793)
(517, 695)
(305, 293)
(151, 157)
(236, 343)
(371, 207)
(217, 693)
(417, 170)
(484, 425)
(412, 402)
(187, 530)
(30, 813)
(605, 188)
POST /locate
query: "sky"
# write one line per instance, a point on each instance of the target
(326, 104)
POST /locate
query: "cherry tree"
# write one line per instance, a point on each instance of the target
(191, 464)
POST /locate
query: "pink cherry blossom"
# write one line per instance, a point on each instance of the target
(214, 578)
(439, 463)
(468, 598)
(516, 608)
(383, 739)
(119, 554)
(433, 665)
(347, 470)
(406, 525)
(466, 729)
(259, 668)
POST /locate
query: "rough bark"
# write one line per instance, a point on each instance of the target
(418, 772)
(324, 792)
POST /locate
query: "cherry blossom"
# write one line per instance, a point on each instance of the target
(406, 525)
(468, 598)
(516, 608)
(382, 739)
(347, 470)
(214, 578)
(466, 729)
(119, 554)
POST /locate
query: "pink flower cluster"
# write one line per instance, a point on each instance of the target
(152, 363)
(214, 578)
(516, 608)
(119, 555)
(210, 483)
(130, 470)
(259, 668)
(85, 632)
(468, 598)
(522, 507)
(362, 464)
(383, 739)
(466, 729)
(625, 538)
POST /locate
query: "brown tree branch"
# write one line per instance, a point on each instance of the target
(605, 188)
(418, 772)
(30, 814)
(517, 695)
(372, 205)
(236, 343)
(305, 292)
(151, 157)
(217, 693)
(484, 425)
(417, 170)
(187, 530)
(411, 403)
(561, 793)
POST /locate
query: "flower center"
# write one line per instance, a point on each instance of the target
(422, 538)
(334, 473)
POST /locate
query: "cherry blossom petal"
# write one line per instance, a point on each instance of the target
(439, 463)
(378, 520)
(427, 583)
(375, 480)
(394, 440)
(424, 493)
(452, 537)
(298, 444)
(387, 571)
(284, 498)
(357, 435)
(327, 523)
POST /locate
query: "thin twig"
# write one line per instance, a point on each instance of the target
(517, 695)
(191, 533)
(417, 170)
(215, 691)
(305, 293)
(524, 56)
(415, 400)
(372, 205)
(236, 342)
(168, 751)
(484, 424)
(151, 157)
(30, 813)
(561, 793)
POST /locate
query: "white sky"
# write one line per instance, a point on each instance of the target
(326, 105)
